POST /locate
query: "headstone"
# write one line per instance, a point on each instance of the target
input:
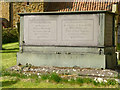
(84, 39)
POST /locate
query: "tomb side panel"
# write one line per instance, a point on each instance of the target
(108, 30)
(62, 30)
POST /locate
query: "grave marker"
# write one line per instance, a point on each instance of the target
(67, 39)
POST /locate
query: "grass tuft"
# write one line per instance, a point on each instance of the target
(111, 82)
(55, 77)
(80, 80)
(44, 76)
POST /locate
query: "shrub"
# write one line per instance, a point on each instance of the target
(9, 35)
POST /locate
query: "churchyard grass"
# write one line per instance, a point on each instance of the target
(9, 54)
(19, 80)
(118, 62)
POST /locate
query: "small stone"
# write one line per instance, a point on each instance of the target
(24, 73)
(15, 69)
(98, 74)
(111, 73)
(24, 70)
(31, 69)
(100, 80)
(83, 70)
(38, 74)
(43, 69)
(57, 71)
(46, 70)
(103, 75)
(74, 70)
(47, 80)
(105, 81)
(117, 80)
(95, 79)
(68, 70)
(103, 70)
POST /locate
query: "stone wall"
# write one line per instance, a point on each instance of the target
(10, 10)
(23, 7)
(56, 6)
(4, 10)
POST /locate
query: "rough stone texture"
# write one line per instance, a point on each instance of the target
(67, 72)
(4, 10)
(56, 6)
(23, 7)
(19, 7)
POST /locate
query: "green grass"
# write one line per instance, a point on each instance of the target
(118, 62)
(118, 46)
(43, 84)
(17, 80)
(9, 55)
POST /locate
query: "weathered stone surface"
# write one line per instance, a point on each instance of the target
(4, 10)
(68, 30)
(45, 38)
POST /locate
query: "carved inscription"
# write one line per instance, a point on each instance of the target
(63, 30)
(78, 30)
(42, 29)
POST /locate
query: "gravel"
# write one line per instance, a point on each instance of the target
(67, 71)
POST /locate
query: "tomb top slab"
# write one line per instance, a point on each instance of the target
(56, 13)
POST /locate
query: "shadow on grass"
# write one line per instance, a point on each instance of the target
(8, 83)
(9, 51)
(14, 50)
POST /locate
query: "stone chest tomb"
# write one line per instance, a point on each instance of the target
(67, 39)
